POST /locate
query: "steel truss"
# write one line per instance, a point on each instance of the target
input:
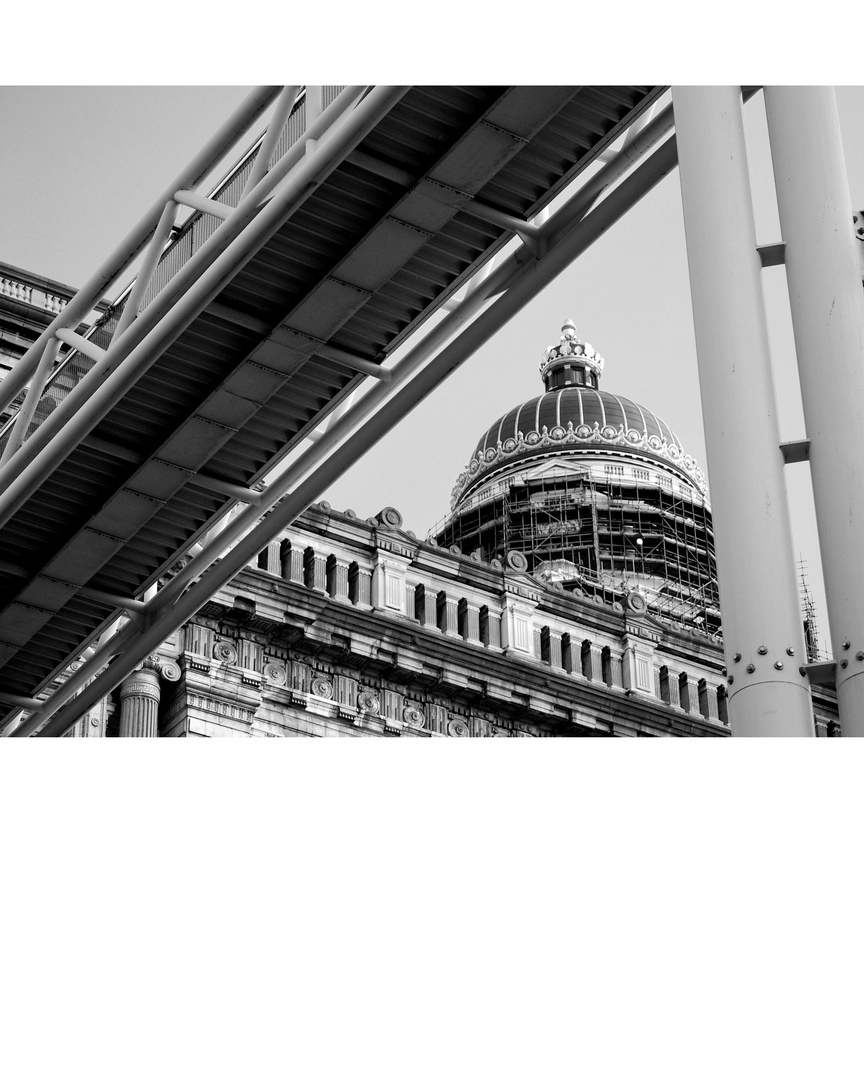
(547, 250)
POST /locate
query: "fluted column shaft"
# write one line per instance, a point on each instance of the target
(139, 705)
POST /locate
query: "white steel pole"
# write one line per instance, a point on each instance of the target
(827, 305)
(282, 112)
(762, 626)
(21, 422)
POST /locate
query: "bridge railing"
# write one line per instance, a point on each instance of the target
(183, 242)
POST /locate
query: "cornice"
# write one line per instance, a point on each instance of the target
(412, 655)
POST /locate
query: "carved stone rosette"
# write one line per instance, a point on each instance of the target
(368, 702)
(321, 687)
(413, 717)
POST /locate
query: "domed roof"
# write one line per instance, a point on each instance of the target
(579, 407)
(572, 416)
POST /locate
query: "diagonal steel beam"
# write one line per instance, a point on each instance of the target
(125, 339)
(83, 409)
(404, 393)
(494, 285)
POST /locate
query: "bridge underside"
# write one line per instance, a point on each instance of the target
(369, 254)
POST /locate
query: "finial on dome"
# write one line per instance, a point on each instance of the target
(572, 362)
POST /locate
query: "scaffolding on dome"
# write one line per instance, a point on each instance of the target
(603, 538)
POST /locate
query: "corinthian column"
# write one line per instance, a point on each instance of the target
(139, 705)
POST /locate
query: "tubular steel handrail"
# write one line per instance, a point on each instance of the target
(169, 249)
(130, 354)
(119, 260)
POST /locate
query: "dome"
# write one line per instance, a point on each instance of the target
(573, 416)
(593, 493)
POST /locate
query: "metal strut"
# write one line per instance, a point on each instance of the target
(413, 378)
(186, 295)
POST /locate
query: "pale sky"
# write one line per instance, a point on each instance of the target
(93, 159)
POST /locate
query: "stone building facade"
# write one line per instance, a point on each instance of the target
(355, 627)
(351, 627)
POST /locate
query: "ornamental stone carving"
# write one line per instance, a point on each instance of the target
(569, 346)
(389, 517)
(368, 702)
(413, 717)
(322, 687)
(458, 728)
(141, 683)
(636, 603)
(275, 673)
(224, 652)
(170, 670)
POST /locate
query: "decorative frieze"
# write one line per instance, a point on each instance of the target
(321, 687)
(368, 702)
(251, 660)
(346, 692)
(275, 672)
(224, 652)
(413, 715)
(437, 719)
(199, 646)
(229, 710)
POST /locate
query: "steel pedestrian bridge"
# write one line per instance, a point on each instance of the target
(226, 374)
(359, 213)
